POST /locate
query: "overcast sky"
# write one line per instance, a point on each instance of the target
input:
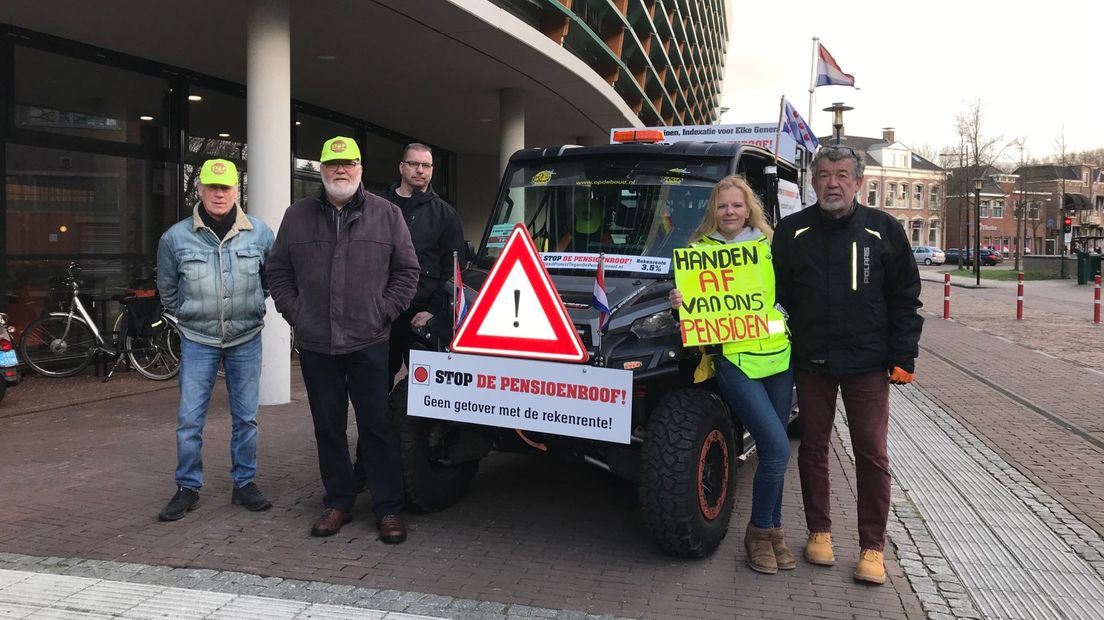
(1038, 68)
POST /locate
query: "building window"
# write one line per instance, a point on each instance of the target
(934, 196)
(904, 194)
(890, 194)
(933, 233)
(998, 209)
(216, 129)
(984, 210)
(105, 212)
(63, 95)
(872, 193)
(918, 196)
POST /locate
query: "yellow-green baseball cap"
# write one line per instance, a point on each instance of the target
(340, 147)
(219, 172)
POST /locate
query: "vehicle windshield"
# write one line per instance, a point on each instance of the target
(633, 210)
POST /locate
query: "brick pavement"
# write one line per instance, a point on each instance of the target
(532, 531)
(1033, 394)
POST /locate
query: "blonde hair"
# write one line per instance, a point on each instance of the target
(756, 217)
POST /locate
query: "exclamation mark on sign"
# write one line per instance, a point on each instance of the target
(517, 304)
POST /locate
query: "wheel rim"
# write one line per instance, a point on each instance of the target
(713, 469)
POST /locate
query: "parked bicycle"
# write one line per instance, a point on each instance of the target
(62, 344)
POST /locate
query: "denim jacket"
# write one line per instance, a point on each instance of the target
(215, 288)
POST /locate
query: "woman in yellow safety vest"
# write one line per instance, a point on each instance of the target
(755, 377)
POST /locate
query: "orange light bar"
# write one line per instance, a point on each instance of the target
(638, 135)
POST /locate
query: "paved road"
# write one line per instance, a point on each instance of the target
(1004, 415)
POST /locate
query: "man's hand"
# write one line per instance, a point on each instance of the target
(900, 376)
(419, 321)
(675, 297)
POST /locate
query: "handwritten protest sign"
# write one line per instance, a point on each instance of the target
(547, 397)
(724, 298)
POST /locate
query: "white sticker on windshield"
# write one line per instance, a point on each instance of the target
(614, 262)
(499, 234)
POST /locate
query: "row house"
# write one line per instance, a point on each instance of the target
(993, 217)
(902, 183)
(1030, 203)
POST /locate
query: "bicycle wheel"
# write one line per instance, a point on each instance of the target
(157, 356)
(58, 346)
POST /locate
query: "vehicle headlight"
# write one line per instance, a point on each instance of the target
(661, 323)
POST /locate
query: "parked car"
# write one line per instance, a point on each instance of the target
(928, 255)
(989, 258)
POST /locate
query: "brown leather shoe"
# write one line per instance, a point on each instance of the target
(392, 531)
(330, 522)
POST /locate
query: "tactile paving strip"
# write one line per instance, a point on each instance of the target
(1011, 562)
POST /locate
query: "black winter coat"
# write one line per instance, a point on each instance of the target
(436, 232)
(851, 289)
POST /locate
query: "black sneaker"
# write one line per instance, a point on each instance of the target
(184, 500)
(250, 497)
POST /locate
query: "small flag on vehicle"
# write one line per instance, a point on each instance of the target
(460, 303)
(600, 303)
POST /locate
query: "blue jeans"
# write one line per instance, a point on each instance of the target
(763, 407)
(198, 368)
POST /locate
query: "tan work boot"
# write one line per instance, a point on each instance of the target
(871, 567)
(818, 549)
(782, 554)
(760, 551)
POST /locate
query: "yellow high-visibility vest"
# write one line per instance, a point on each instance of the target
(760, 357)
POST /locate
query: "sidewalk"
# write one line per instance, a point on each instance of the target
(997, 509)
(533, 537)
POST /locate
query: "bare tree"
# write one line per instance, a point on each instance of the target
(985, 150)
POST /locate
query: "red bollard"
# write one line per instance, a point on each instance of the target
(947, 296)
(1019, 297)
(1096, 300)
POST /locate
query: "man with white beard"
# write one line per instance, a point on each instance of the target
(342, 268)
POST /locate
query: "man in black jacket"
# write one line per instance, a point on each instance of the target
(436, 232)
(846, 276)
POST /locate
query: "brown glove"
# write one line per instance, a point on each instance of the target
(900, 376)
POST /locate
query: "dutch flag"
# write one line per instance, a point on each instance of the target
(829, 72)
(460, 303)
(600, 303)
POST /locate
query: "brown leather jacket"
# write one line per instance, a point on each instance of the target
(342, 289)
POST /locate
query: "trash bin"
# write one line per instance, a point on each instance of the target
(1088, 265)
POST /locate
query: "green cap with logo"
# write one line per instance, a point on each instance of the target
(219, 172)
(340, 148)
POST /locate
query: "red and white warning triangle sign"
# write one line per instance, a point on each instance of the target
(518, 312)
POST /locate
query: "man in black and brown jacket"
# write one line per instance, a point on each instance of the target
(846, 275)
(341, 269)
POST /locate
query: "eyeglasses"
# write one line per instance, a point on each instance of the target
(418, 164)
(338, 165)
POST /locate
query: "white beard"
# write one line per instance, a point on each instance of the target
(343, 192)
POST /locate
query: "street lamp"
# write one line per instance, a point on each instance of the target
(837, 109)
(977, 230)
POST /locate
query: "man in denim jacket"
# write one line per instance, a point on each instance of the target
(209, 270)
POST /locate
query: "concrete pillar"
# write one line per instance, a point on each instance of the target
(511, 124)
(268, 115)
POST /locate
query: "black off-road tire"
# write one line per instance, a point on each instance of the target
(3, 388)
(429, 485)
(687, 472)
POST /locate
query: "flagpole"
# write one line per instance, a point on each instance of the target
(456, 292)
(778, 129)
(812, 79)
